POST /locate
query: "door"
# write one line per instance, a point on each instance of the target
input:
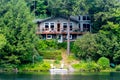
(58, 27)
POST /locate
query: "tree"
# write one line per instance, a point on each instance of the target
(17, 25)
(85, 47)
(114, 45)
(38, 7)
(101, 11)
(2, 41)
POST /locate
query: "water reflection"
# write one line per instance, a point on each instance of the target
(47, 76)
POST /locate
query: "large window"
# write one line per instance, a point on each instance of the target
(46, 26)
(52, 26)
(86, 27)
(64, 26)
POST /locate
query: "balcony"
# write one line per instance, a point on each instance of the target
(59, 31)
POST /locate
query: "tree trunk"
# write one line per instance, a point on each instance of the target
(68, 36)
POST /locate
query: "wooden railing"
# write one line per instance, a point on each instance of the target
(59, 31)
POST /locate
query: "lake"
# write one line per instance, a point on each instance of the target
(47, 76)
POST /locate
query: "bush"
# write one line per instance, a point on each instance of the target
(46, 44)
(117, 68)
(64, 45)
(103, 62)
(44, 66)
(57, 62)
(51, 54)
(86, 66)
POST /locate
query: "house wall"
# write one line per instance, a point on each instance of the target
(56, 21)
(81, 21)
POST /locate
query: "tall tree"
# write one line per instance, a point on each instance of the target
(100, 11)
(38, 7)
(17, 25)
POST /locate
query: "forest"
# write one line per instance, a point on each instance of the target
(19, 45)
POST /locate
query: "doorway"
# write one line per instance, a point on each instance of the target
(58, 27)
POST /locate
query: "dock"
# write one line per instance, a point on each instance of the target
(58, 71)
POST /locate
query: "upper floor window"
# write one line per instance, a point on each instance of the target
(64, 26)
(86, 27)
(46, 26)
(86, 17)
(52, 26)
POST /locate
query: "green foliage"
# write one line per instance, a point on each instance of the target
(117, 68)
(105, 43)
(43, 66)
(87, 66)
(57, 61)
(46, 44)
(41, 45)
(64, 45)
(104, 63)
(111, 41)
(3, 41)
(85, 47)
(39, 7)
(7, 67)
(101, 11)
(47, 49)
(51, 54)
(18, 28)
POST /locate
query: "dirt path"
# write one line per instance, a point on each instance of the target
(66, 61)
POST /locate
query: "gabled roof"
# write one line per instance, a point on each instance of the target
(49, 18)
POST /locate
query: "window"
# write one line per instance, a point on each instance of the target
(64, 26)
(71, 26)
(52, 26)
(70, 37)
(46, 26)
(86, 17)
(86, 27)
(49, 36)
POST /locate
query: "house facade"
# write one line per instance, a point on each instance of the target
(57, 27)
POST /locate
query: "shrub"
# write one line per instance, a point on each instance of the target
(51, 54)
(64, 45)
(57, 62)
(86, 66)
(103, 62)
(46, 44)
(117, 68)
(44, 66)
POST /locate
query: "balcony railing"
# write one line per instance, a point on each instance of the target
(59, 31)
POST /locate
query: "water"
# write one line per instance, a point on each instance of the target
(47, 76)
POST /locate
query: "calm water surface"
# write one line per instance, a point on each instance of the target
(47, 76)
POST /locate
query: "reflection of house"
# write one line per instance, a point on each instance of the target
(56, 27)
